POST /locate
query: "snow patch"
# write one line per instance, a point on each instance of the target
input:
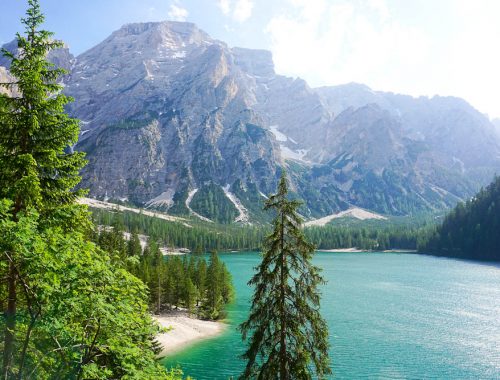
(165, 199)
(442, 192)
(297, 155)
(188, 202)
(243, 217)
(280, 136)
(149, 74)
(179, 54)
(85, 131)
(277, 134)
(112, 206)
(354, 212)
(143, 239)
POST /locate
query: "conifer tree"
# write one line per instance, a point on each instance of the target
(71, 312)
(200, 281)
(288, 338)
(37, 172)
(134, 246)
(214, 302)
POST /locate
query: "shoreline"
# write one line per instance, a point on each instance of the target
(185, 331)
(356, 250)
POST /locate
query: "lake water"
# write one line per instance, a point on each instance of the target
(391, 316)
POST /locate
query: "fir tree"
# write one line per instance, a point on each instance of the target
(71, 312)
(288, 338)
(36, 171)
(214, 302)
(200, 281)
(134, 246)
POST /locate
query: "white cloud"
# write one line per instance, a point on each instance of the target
(330, 42)
(225, 6)
(336, 42)
(242, 10)
(177, 13)
(238, 10)
(474, 58)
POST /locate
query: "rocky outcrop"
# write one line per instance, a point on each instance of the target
(5, 77)
(166, 109)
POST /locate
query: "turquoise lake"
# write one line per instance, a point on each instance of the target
(391, 316)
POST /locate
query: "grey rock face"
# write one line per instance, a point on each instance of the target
(59, 57)
(166, 109)
(5, 77)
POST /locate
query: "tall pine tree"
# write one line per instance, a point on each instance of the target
(288, 338)
(37, 172)
(71, 312)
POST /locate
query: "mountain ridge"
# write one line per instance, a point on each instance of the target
(166, 109)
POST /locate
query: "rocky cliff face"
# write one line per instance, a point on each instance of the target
(166, 110)
(5, 77)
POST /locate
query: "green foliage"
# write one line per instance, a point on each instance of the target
(37, 168)
(252, 200)
(179, 206)
(173, 281)
(471, 230)
(132, 124)
(78, 314)
(211, 202)
(288, 338)
(369, 238)
(219, 288)
(376, 235)
(197, 236)
(70, 310)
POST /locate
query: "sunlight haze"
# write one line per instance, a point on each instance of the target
(423, 47)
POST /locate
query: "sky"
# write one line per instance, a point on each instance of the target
(415, 47)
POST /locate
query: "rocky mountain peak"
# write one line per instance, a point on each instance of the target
(165, 35)
(258, 63)
(61, 57)
(173, 118)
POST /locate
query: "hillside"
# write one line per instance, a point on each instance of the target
(471, 230)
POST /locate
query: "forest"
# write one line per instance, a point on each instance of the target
(188, 282)
(471, 230)
(70, 310)
(206, 237)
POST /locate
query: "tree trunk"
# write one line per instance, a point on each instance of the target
(10, 321)
(283, 279)
(25, 345)
(159, 293)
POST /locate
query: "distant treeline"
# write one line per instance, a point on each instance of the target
(198, 236)
(471, 230)
(204, 289)
(206, 237)
(373, 238)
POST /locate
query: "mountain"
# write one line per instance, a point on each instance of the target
(496, 123)
(175, 120)
(5, 77)
(59, 57)
(470, 231)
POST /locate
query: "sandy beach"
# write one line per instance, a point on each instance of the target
(352, 250)
(185, 331)
(356, 250)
